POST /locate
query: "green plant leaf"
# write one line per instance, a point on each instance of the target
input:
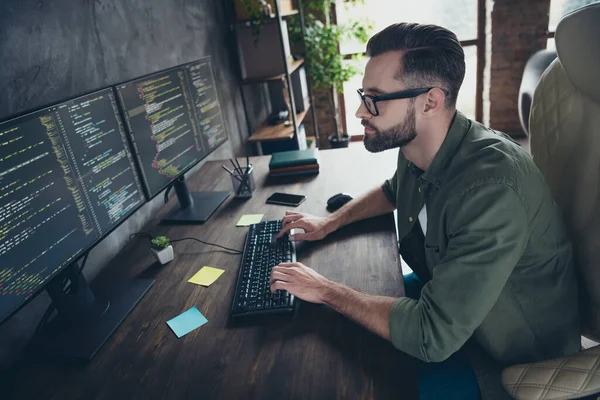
(160, 243)
(326, 67)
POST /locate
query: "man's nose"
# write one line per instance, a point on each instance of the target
(362, 112)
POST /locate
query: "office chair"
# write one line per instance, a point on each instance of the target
(535, 67)
(565, 144)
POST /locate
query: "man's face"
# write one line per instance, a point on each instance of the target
(395, 126)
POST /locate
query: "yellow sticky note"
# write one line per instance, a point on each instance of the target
(249, 219)
(206, 276)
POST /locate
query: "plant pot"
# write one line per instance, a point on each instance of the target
(339, 142)
(165, 255)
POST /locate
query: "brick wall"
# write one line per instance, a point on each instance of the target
(326, 123)
(518, 29)
(328, 114)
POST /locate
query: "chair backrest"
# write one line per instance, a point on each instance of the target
(564, 130)
(535, 67)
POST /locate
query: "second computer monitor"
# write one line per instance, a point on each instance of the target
(174, 120)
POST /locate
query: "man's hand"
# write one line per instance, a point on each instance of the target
(299, 280)
(315, 228)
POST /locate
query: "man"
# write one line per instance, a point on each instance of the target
(476, 223)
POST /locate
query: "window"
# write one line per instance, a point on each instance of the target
(459, 16)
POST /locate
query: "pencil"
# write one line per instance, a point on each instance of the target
(231, 173)
(235, 167)
(239, 166)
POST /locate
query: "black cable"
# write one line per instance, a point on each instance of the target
(143, 234)
(211, 244)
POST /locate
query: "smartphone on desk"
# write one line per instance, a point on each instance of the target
(286, 199)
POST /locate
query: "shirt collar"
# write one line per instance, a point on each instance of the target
(458, 129)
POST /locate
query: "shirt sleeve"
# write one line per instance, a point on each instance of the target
(487, 230)
(390, 188)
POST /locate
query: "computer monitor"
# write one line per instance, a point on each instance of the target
(174, 120)
(67, 179)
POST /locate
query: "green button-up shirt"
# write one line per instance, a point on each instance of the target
(496, 251)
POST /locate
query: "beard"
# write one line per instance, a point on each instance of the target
(397, 136)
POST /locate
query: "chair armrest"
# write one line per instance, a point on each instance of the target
(562, 378)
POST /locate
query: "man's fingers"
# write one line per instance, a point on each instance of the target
(294, 224)
(279, 285)
(300, 223)
(284, 229)
(279, 276)
(284, 268)
(290, 217)
(285, 265)
(299, 236)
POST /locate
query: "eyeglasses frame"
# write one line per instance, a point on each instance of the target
(403, 94)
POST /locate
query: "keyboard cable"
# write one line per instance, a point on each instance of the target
(144, 234)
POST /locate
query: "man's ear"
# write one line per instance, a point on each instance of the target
(434, 102)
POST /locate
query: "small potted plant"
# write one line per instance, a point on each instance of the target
(162, 249)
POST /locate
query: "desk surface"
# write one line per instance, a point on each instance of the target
(317, 354)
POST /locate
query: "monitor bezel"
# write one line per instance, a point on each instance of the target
(82, 253)
(129, 135)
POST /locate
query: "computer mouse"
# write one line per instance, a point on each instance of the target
(338, 200)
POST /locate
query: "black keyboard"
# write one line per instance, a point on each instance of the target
(262, 252)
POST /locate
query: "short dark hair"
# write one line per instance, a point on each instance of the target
(432, 56)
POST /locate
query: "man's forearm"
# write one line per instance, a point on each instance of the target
(372, 312)
(371, 204)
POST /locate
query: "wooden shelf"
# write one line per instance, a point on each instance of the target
(293, 67)
(276, 132)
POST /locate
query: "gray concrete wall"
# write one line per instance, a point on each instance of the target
(54, 50)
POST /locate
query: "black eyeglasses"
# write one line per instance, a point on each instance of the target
(370, 102)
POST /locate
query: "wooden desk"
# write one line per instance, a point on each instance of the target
(318, 354)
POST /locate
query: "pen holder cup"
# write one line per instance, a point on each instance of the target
(243, 184)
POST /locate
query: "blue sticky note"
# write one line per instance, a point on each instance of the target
(187, 322)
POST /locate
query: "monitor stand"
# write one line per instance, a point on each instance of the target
(85, 322)
(195, 207)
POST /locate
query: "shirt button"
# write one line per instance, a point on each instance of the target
(419, 190)
(410, 219)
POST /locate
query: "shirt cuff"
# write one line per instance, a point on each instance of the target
(405, 332)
